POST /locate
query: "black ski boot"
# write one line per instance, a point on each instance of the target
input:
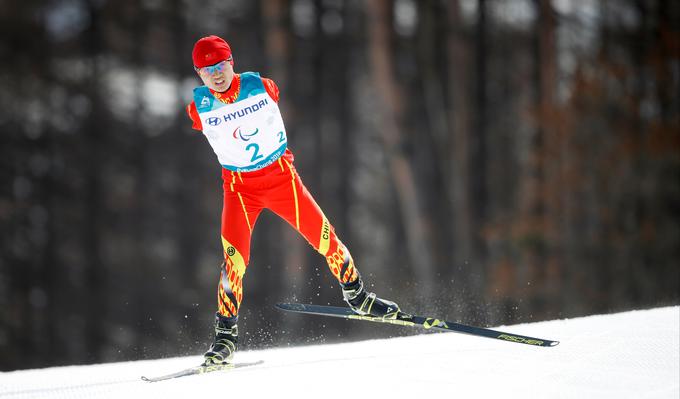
(225, 343)
(367, 303)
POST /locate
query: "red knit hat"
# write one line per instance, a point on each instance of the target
(210, 50)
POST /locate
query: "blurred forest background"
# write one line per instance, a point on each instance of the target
(486, 161)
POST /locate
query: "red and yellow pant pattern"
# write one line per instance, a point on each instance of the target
(276, 187)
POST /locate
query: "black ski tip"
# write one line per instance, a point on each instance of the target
(295, 307)
(554, 343)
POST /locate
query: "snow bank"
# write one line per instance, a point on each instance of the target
(626, 355)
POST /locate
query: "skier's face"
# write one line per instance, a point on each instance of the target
(217, 77)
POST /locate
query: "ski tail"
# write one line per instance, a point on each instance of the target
(407, 320)
(202, 369)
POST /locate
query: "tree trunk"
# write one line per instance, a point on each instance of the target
(533, 203)
(95, 271)
(459, 149)
(390, 97)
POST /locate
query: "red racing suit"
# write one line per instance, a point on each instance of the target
(258, 175)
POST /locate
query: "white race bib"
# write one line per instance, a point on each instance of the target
(246, 135)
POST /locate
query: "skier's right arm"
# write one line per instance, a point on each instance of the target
(193, 115)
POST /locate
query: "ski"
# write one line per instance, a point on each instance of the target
(202, 369)
(405, 319)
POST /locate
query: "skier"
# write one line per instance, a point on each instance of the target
(240, 117)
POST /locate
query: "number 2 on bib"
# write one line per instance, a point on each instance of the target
(256, 151)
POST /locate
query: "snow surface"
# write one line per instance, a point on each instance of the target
(625, 355)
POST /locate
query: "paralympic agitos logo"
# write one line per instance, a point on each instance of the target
(245, 137)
